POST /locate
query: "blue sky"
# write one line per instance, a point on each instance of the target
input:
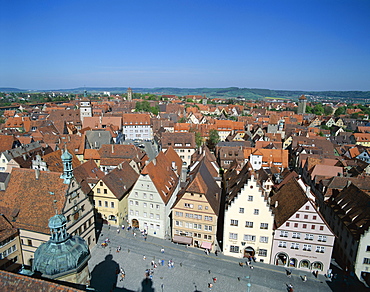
(275, 44)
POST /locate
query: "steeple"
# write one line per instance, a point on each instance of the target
(57, 225)
(67, 166)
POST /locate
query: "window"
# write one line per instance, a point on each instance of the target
(151, 206)
(320, 249)
(264, 239)
(144, 195)
(312, 226)
(321, 228)
(187, 205)
(131, 212)
(208, 227)
(307, 207)
(250, 198)
(287, 224)
(136, 194)
(105, 204)
(233, 236)
(157, 207)
(262, 252)
(264, 226)
(131, 202)
(145, 205)
(294, 245)
(101, 183)
(234, 222)
(304, 226)
(112, 204)
(208, 218)
(295, 225)
(322, 238)
(309, 237)
(367, 261)
(178, 214)
(145, 214)
(137, 213)
(200, 207)
(248, 237)
(157, 216)
(248, 224)
(296, 215)
(29, 242)
(105, 191)
(368, 248)
(234, 249)
(151, 196)
(241, 210)
(307, 247)
(137, 203)
(283, 233)
(296, 235)
(98, 190)
(151, 215)
(282, 243)
(256, 211)
(305, 216)
(314, 217)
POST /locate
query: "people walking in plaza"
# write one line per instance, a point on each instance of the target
(304, 278)
(162, 250)
(214, 279)
(118, 230)
(216, 252)
(289, 273)
(134, 234)
(123, 227)
(290, 287)
(144, 257)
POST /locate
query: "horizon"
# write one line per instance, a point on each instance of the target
(286, 45)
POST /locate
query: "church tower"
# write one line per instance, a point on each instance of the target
(63, 257)
(129, 94)
(67, 174)
(85, 107)
(302, 102)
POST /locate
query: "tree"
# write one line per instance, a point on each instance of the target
(213, 139)
(318, 109)
(340, 111)
(328, 110)
(198, 139)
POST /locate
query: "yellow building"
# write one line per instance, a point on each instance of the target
(195, 213)
(111, 192)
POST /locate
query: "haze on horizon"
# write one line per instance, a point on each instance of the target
(292, 45)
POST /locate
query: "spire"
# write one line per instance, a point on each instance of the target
(67, 166)
(57, 225)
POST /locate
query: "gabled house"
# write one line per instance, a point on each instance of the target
(195, 212)
(302, 238)
(348, 213)
(33, 196)
(248, 220)
(110, 194)
(151, 198)
(137, 126)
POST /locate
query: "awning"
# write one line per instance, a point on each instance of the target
(206, 245)
(182, 239)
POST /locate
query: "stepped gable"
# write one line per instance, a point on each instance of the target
(29, 198)
(121, 179)
(290, 198)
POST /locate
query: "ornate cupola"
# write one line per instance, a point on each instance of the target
(63, 257)
(67, 166)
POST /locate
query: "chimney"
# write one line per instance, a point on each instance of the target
(37, 174)
(119, 166)
(308, 191)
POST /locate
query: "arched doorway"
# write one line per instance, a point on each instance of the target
(317, 266)
(135, 223)
(249, 252)
(293, 263)
(281, 259)
(304, 264)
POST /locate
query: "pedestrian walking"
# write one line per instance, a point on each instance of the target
(289, 273)
(162, 262)
(134, 234)
(162, 250)
(145, 237)
(304, 278)
(290, 287)
(123, 227)
(118, 230)
(144, 257)
(210, 285)
(216, 252)
(214, 279)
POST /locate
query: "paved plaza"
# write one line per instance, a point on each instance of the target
(192, 270)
